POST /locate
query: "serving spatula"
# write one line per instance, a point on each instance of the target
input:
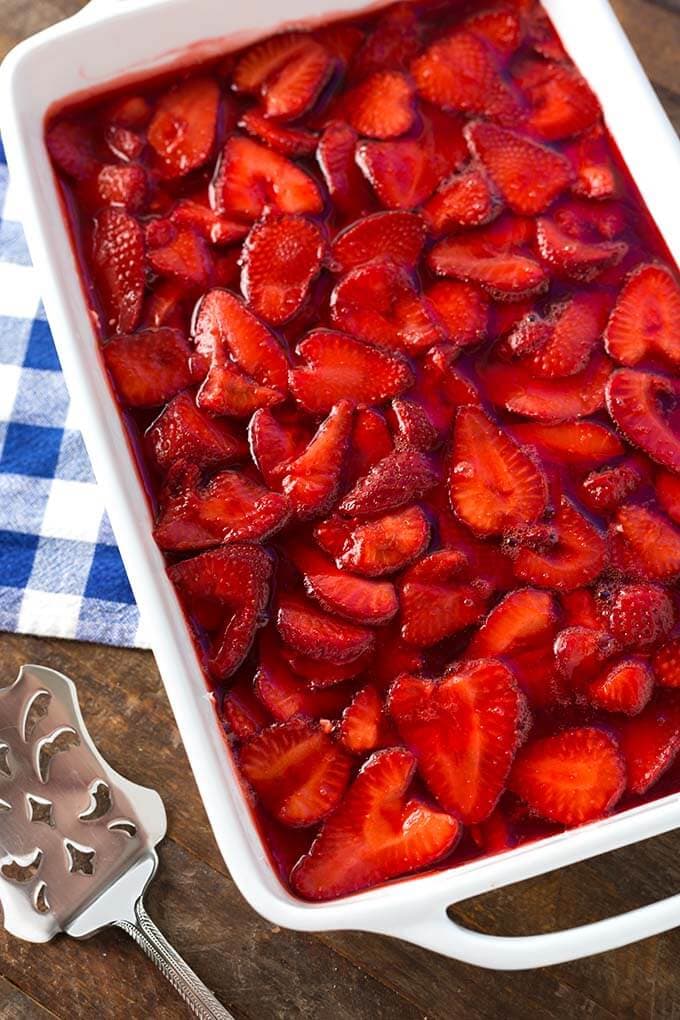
(77, 840)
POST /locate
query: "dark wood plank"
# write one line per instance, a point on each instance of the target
(258, 970)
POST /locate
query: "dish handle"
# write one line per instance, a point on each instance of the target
(442, 935)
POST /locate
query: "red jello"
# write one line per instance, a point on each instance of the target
(396, 342)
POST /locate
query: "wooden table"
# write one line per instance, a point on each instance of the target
(261, 971)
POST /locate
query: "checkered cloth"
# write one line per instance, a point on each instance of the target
(61, 574)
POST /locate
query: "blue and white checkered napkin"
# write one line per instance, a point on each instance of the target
(61, 574)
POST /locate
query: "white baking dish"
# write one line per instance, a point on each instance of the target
(112, 39)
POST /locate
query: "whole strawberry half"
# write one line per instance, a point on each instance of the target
(281, 258)
(236, 580)
(297, 771)
(376, 833)
(465, 730)
(149, 367)
(494, 486)
(570, 777)
(337, 367)
(118, 258)
(183, 129)
(646, 318)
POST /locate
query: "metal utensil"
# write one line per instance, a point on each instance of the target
(77, 840)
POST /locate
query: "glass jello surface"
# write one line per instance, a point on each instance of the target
(396, 344)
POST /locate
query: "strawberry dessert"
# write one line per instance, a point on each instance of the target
(396, 343)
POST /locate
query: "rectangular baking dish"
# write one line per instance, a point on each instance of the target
(111, 40)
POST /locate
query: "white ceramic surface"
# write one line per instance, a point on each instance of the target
(111, 39)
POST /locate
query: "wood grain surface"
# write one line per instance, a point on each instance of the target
(260, 971)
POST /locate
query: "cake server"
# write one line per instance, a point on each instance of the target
(77, 840)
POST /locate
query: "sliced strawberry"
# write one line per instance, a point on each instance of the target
(342, 593)
(218, 230)
(591, 221)
(398, 479)
(581, 653)
(320, 673)
(380, 303)
(332, 535)
(338, 366)
(412, 425)
(179, 253)
(645, 544)
(274, 444)
(183, 128)
(241, 712)
(289, 141)
(297, 771)
(70, 145)
(550, 400)
(540, 31)
(382, 106)
(401, 172)
(463, 310)
(529, 176)
(573, 258)
(371, 442)
(666, 664)
(341, 40)
(130, 111)
(641, 615)
(520, 630)
(635, 401)
(250, 177)
(376, 834)
(224, 328)
(572, 330)
(344, 180)
(265, 58)
(123, 186)
(294, 88)
(391, 43)
(284, 695)
(148, 367)
(626, 688)
(399, 236)
(459, 73)
(381, 546)
(562, 102)
(310, 631)
(508, 272)
(124, 143)
(281, 257)
(650, 742)
(496, 834)
(465, 730)
(465, 200)
(595, 174)
(581, 609)
(229, 508)
(646, 318)
(585, 442)
(499, 26)
(494, 486)
(227, 390)
(237, 578)
(436, 602)
(311, 481)
(363, 726)
(608, 488)
(183, 432)
(167, 305)
(393, 656)
(442, 389)
(572, 777)
(576, 558)
(668, 494)
(118, 260)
